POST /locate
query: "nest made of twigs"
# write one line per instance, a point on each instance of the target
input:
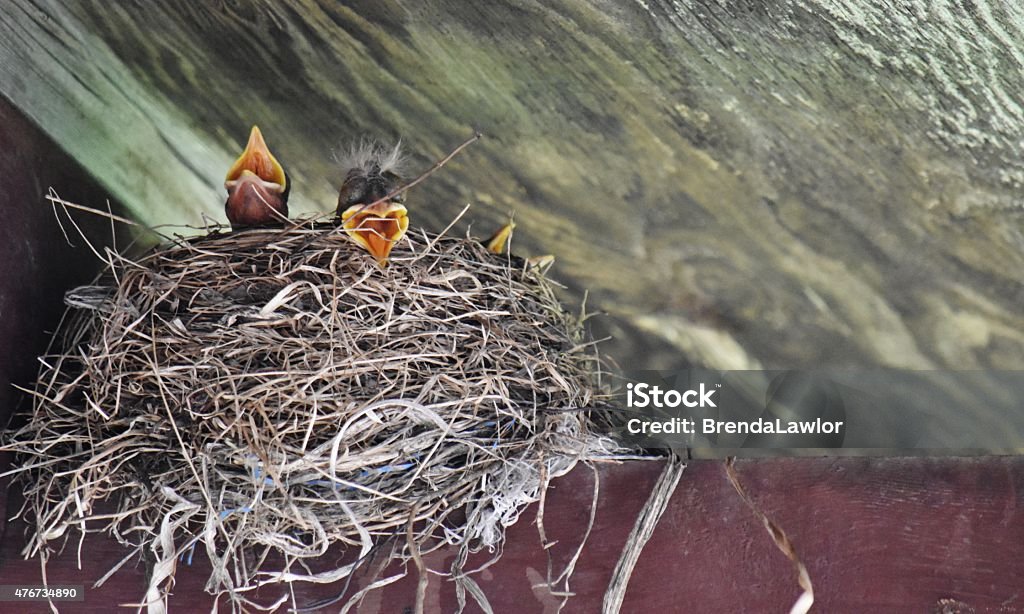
(276, 392)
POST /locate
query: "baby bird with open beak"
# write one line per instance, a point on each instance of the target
(257, 187)
(370, 210)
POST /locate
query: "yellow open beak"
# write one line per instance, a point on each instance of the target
(500, 239)
(257, 187)
(376, 228)
(257, 160)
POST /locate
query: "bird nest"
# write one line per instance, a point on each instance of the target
(263, 396)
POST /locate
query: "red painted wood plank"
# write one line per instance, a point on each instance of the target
(878, 535)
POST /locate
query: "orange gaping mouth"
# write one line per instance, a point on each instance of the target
(257, 160)
(376, 228)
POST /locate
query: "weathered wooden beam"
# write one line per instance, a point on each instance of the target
(744, 184)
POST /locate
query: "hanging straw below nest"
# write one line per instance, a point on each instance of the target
(275, 392)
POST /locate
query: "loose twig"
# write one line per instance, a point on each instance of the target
(643, 528)
(430, 171)
(779, 537)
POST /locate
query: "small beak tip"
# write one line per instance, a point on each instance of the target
(256, 138)
(257, 159)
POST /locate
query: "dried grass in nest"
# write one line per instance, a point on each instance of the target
(276, 392)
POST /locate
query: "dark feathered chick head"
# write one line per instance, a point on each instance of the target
(373, 219)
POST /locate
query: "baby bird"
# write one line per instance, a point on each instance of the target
(257, 187)
(372, 220)
(501, 238)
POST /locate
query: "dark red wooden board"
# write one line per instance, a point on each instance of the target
(877, 535)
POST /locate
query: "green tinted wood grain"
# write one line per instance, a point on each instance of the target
(787, 185)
